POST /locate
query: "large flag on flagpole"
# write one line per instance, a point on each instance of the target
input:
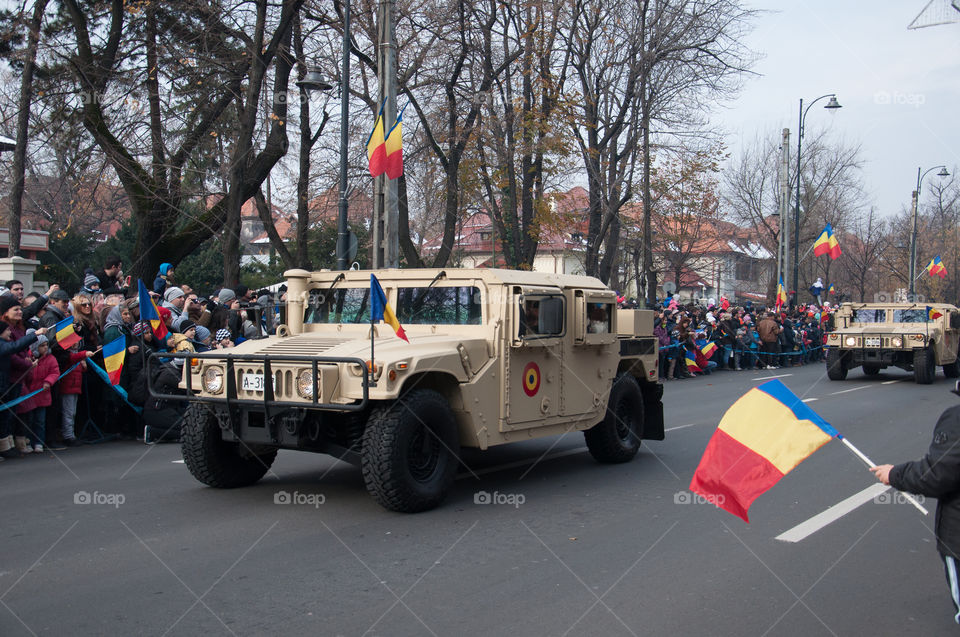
(113, 355)
(781, 295)
(380, 310)
(827, 243)
(761, 438)
(394, 149)
(149, 312)
(376, 146)
(936, 268)
(65, 334)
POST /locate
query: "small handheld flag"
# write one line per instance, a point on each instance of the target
(691, 360)
(380, 310)
(376, 147)
(936, 268)
(113, 355)
(149, 312)
(933, 313)
(832, 289)
(827, 243)
(65, 334)
(761, 438)
(708, 349)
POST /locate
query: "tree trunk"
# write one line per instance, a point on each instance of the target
(648, 271)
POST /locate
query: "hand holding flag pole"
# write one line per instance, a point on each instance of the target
(870, 464)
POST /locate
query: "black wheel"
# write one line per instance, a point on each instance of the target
(871, 370)
(617, 437)
(953, 369)
(411, 451)
(214, 461)
(924, 366)
(836, 365)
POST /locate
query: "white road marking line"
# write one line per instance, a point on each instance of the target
(769, 377)
(522, 463)
(845, 391)
(832, 514)
(810, 400)
(693, 424)
(890, 382)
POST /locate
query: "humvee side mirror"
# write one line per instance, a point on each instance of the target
(955, 320)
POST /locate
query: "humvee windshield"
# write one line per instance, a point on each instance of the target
(910, 316)
(343, 305)
(439, 306)
(869, 316)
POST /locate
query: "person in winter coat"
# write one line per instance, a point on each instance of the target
(8, 349)
(163, 417)
(119, 418)
(137, 364)
(33, 411)
(21, 364)
(937, 475)
(164, 278)
(769, 332)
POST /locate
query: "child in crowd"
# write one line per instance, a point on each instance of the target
(9, 348)
(33, 411)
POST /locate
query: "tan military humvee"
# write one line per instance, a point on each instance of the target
(912, 336)
(494, 356)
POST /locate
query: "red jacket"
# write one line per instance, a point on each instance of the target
(46, 371)
(72, 383)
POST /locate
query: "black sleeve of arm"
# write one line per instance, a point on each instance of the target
(938, 472)
(31, 310)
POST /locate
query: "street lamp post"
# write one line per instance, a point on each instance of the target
(914, 199)
(832, 104)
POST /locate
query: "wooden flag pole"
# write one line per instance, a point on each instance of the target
(871, 463)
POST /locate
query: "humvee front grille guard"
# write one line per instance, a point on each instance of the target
(230, 397)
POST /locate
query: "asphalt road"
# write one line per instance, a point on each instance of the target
(570, 548)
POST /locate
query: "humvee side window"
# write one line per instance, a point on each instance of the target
(541, 317)
(343, 305)
(869, 316)
(599, 318)
(910, 316)
(439, 306)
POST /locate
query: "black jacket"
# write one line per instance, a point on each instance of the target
(937, 475)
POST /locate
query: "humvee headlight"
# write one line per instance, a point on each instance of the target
(305, 383)
(896, 341)
(212, 380)
(850, 341)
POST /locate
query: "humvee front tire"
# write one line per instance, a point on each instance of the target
(871, 370)
(617, 437)
(924, 366)
(836, 365)
(214, 461)
(411, 451)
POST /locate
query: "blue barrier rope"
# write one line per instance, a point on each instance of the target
(14, 403)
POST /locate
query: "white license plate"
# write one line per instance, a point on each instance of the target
(872, 342)
(252, 382)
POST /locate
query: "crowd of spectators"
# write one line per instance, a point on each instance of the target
(697, 339)
(72, 402)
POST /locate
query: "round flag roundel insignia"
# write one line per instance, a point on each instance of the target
(531, 379)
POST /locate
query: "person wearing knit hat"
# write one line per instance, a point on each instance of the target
(226, 296)
(10, 349)
(7, 301)
(91, 284)
(164, 278)
(222, 338)
(202, 340)
(139, 328)
(173, 300)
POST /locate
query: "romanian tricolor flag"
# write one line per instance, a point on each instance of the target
(935, 268)
(113, 354)
(764, 435)
(933, 313)
(394, 149)
(827, 243)
(708, 349)
(65, 334)
(781, 295)
(149, 312)
(692, 362)
(380, 310)
(831, 289)
(376, 147)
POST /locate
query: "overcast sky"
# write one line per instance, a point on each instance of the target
(900, 89)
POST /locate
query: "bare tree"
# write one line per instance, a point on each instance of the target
(864, 247)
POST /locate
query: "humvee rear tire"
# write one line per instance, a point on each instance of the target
(617, 437)
(924, 366)
(952, 370)
(871, 370)
(411, 451)
(214, 461)
(836, 365)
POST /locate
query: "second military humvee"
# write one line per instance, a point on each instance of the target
(494, 356)
(913, 336)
